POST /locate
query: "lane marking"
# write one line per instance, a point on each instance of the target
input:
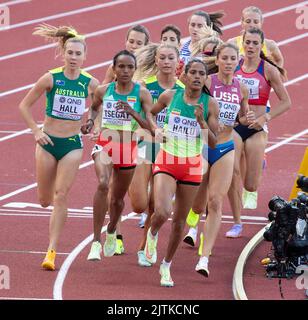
(11, 3)
(118, 27)
(64, 14)
(31, 252)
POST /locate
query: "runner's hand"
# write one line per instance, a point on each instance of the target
(122, 106)
(87, 127)
(42, 138)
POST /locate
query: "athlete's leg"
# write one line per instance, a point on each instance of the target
(46, 169)
(66, 172)
(121, 180)
(185, 194)
(103, 170)
(138, 189)
(219, 183)
(254, 150)
(235, 191)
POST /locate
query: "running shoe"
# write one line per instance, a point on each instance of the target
(110, 244)
(119, 247)
(142, 220)
(142, 261)
(250, 199)
(235, 231)
(191, 236)
(95, 251)
(165, 280)
(49, 261)
(192, 219)
(202, 267)
(150, 247)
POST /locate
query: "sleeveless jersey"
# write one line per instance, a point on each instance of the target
(185, 53)
(181, 127)
(229, 98)
(67, 98)
(239, 43)
(259, 88)
(114, 120)
(156, 90)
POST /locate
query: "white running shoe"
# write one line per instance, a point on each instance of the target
(95, 251)
(202, 267)
(165, 280)
(110, 244)
(235, 231)
(191, 236)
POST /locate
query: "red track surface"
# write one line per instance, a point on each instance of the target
(120, 277)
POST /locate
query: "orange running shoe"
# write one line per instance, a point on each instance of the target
(49, 261)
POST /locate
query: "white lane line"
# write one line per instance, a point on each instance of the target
(23, 298)
(31, 252)
(283, 142)
(65, 14)
(11, 3)
(118, 27)
(57, 289)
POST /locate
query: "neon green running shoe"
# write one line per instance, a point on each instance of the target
(192, 219)
(150, 247)
(165, 280)
(250, 199)
(110, 244)
(119, 247)
(95, 251)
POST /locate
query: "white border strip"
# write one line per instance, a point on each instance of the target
(64, 14)
(237, 283)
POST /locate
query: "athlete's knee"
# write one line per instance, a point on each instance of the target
(161, 212)
(103, 185)
(215, 202)
(60, 196)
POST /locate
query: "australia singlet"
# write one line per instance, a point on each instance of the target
(114, 120)
(67, 98)
(181, 127)
(229, 98)
(156, 90)
(259, 88)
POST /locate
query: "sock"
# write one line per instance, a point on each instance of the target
(204, 260)
(166, 264)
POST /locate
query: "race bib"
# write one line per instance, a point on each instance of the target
(228, 112)
(70, 108)
(183, 127)
(111, 116)
(160, 118)
(253, 86)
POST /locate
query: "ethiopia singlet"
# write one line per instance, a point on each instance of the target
(67, 98)
(156, 90)
(114, 120)
(229, 99)
(181, 127)
(259, 88)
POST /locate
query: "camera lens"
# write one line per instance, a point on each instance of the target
(302, 183)
(276, 203)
